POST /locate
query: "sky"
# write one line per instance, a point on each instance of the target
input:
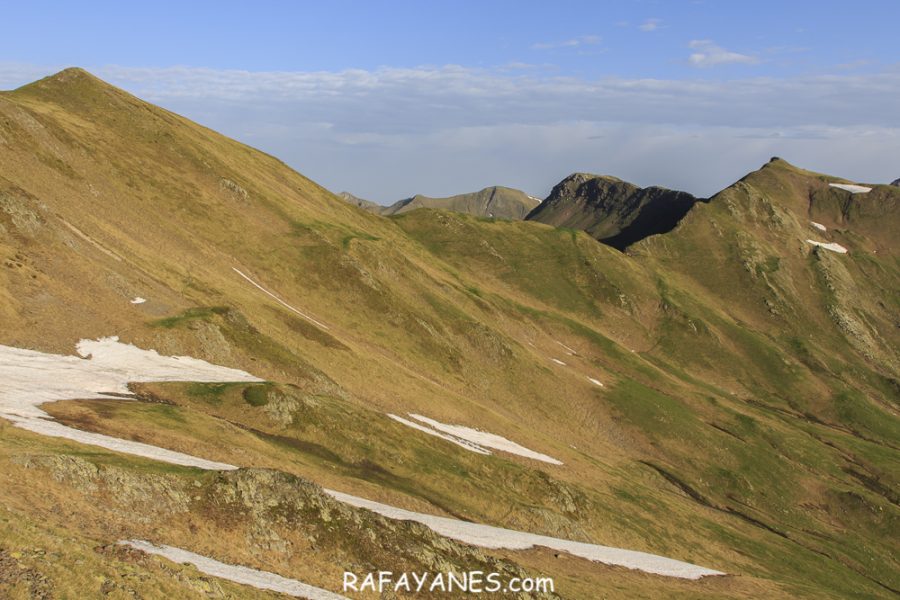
(387, 99)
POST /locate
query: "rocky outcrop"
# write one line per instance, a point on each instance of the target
(235, 190)
(276, 514)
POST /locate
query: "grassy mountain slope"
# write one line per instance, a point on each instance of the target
(747, 422)
(611, 210)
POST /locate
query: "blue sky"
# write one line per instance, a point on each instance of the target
(389, 99)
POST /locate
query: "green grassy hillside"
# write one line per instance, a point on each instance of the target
(747, 421)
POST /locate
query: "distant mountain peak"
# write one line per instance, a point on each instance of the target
(896, 182)
(495, 202)
(72, 73)
(76, 88)
(616, 212)
(68, 77)
(361, 202)
(580, 177)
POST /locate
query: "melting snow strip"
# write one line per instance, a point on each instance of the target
(557, 361)
(138, 300)
(280, 301)
(818, 226)
(852, 188)
(58, 430)
(262, 580)
(488, 440)
(594, 381)
(450, 438)
(833, 246)
(486, 536)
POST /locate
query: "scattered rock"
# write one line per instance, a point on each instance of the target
(237, 192)
(23, 218)
(17, 575)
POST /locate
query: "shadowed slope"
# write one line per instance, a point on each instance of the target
(611, 210)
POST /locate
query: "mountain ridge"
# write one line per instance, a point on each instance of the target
(494, 202)
(722, 393)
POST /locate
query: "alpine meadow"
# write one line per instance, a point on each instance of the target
(219, 379)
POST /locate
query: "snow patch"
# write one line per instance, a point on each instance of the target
(484, 439)
(262, 580)
(486, 536)
(852, 188)
(594, 381)
(458, 441)
(138, 300)
(557, 361)
(29, 378)
(833, 246)
(818, 226)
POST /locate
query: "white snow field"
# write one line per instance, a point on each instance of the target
(29, 378)
(487, 440)
(458, 441)
(818, 226)
(486, 536)
(262, 580)
(833, 246)
(280, 301)
(852, 188)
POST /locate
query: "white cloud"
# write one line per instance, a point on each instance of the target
(585, 40)
(426, 98)
(855, 64)
(650, 25)
(709, 54)
(13, 74)
(392, 132)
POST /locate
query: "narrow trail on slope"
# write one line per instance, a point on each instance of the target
(280, 301)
